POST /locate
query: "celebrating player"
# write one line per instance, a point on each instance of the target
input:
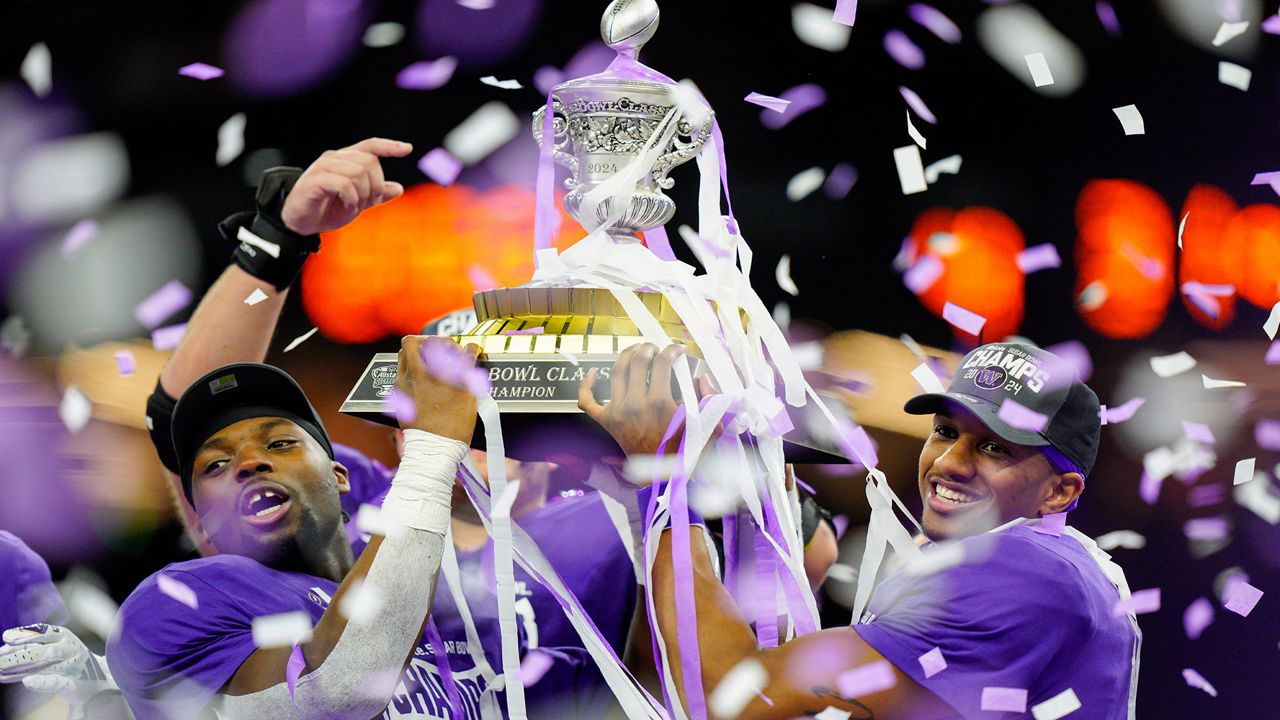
(1024, 617)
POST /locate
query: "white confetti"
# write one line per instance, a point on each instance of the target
(1273, 322)
(814, 26)
(737, 688)
(1169, 365)
(230, 139)
(1121, 539)
(255, 297)
(477, 4)
(37, 69)
(642, 469)
(282, 630)
(910, 169)
(1229, 31)
(1244, 471)
(833, 713)
(1211, 384)
(1039, 67)
(927, 380)
(492, 81)
(768, 102)
(75, 409)
(383, 34)
(369, 520)
(503, 503)
(1258, 497)
(1060, 705)
(1130, 120)
(805, 183)
(360, 603)
(1182, 226)
(1196, 680)
(783, 275)
(89, 605)
(490, 127)
(177, 590)
(1234, 75)
(949, 165)
(14, 336)
(300, 339)
(915, 134)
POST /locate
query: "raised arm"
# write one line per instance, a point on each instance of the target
(292, 210)
(352, 669)
(802, 673)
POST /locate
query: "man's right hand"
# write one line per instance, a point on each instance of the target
(341, 184)
(443, 408)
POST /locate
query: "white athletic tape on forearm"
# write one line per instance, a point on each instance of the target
(422, 491)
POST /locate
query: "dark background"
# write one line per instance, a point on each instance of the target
(1025, 154)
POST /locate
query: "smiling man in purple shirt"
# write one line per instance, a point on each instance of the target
(1021, 614)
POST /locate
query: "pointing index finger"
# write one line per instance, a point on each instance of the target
(383, 147)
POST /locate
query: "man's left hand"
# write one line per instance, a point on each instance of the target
(641, 405)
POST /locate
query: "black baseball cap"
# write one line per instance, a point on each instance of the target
(233, 393)
(1035, 379)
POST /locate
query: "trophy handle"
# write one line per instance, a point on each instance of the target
(686, 143)
(560, 138)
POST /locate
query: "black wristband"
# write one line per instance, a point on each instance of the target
(160, 424)
(278, 258)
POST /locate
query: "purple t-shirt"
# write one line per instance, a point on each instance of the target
(590, 558)
(27, 594)
(1025, 610)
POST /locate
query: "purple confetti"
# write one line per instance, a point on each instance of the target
(481, 279)
(546, 78)
(1075, 354)
(1021, 416)
(1107, 16)
(846, 11)
(1149, 487)
(1266, 433)
(1111, 416)
(901, 49)
(1273, 354)
(163, 303)
(1209, 529)
(856, 443)
(534, 665)
(1197, 617)
(1268, 178)
(1039, 257)
(168, 337)
(1198, 432)
(1052, 524)
(1139, 603)
(1203, 496)
(917, 104)
(428, 74)
(1271, 25)
(803, 98)
(867, 679)
(921, 276)
(527, 331)
(177, 590)
(1196, 680)
(935, 22)
(840, 181)
(453, 365)
(768, 102)
(78, 236)
(293, 670)
(932, 662)
(125, 363)
(1240, 597)
(201, 71)
(1003, 699)
(965, 320)
(440, 166)
(841, 523)
(400, 406)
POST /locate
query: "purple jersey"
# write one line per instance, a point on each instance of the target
(590, 558)
(1026, 610)
(27, 594)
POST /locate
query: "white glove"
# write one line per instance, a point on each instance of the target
(51, 659)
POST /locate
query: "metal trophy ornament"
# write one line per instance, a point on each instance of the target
(620, 133)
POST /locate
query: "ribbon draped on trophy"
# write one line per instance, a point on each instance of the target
(619, 133)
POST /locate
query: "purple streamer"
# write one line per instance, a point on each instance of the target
(730, 530)
(293, 670)
(732, 223)
(765, 597)
(546, 221)
(457, 710)
(656, 239)
(790, 589)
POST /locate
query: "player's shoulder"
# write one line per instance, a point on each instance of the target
(222, 574)
(1053, 564)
